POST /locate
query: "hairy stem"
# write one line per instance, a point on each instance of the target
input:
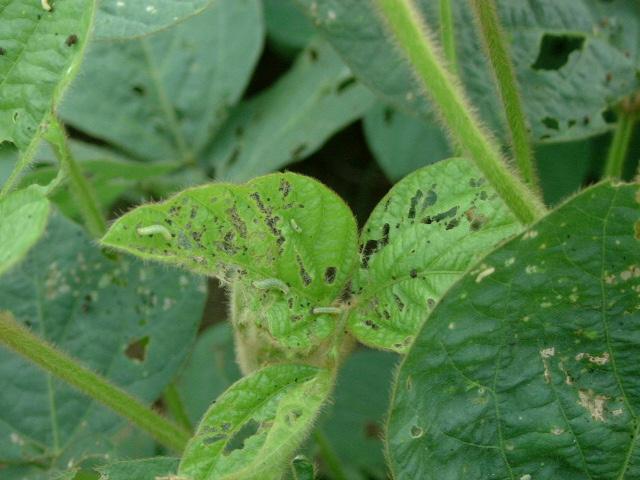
(20, 339)
(414, 40)
(80, 187)
(620, 144)
(497, 48)
(175, 405)
(447, 35)
(329, 456)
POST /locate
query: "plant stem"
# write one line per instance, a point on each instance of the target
(447, 35)
(329, 456)
(81, 188)
(174, 404)
(414, 39)
(19, 339)
(620, 144)
(497, 48)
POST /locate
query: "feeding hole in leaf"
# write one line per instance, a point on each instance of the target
(416, 432)
(139, 90)
(551, 123)
(236, 442)
(137, 350)
(345, 84)
(555, 50)
(71, 40)
(330, 274)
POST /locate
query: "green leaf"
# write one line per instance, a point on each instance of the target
(252, 430)
(287, 241)
(131, 322)
(147, 469)
(287, 27)
(121, 19)
(568, 58)
(291, 120)
(423, 236)
(210, 370)
(355, 418)
(23, 218)
(40, 52)
(528, 368)
(402, 143)
(160, 89)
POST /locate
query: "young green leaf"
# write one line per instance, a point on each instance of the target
(291, 120)
(148, 469)
(403, 143)
(40, 50)
(23, 218)
(159, 88)
(573, 58)
(130, 322)
(288, 241)
(528, 368)
(254, 428)
(428, 230)
(122, 19)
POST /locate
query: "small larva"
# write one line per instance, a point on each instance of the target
(271, 283)
(153, 229)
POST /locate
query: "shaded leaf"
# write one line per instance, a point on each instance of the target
(292, 119)
(209, 371)
(531, 371)
(147, 469)
(423, 236)
(131, 322)
(121, 19)
(287, 26)
(569, 59)
(257, 424)
(160, 89)
(285, 240)
(23, 218)
(402, 143)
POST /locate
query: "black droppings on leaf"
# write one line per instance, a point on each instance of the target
(304, 275)
(285, 187)
(313, 54)
(413, 273)
(71, 40)
(385, 235)
(389, 113)
(330, 274)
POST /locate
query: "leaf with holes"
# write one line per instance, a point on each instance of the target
(158, 468)
(428, 230)
(402, 143)
(257, 424)
(286, 242)
(40, 51)
(23, 218)
(528, 368)
(159, 88)
(292, 119)
(122, 19)
(569, 58)
(131, 322)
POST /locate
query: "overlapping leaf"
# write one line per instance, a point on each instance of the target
(291, 120)
(403, 143)
(131, 322)
(257, 424)
(573, 58)
(147, 469)
(285, 239)
(529, 366)
(23, 218)
(163, 97)
(418, 241)
(119, 19)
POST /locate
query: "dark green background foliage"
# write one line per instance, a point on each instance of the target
(526, 367)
